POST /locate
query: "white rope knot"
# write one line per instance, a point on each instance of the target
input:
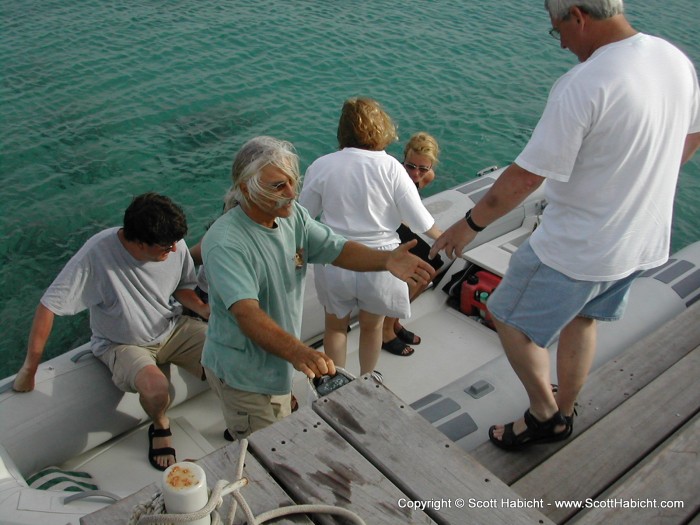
(153, 511)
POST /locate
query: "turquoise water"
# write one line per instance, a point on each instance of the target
(101, 101)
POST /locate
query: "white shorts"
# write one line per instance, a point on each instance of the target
(380, 293)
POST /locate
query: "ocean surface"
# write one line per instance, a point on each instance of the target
(102, 100)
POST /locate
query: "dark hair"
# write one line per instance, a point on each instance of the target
(154, 219)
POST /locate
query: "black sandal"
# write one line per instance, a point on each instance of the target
(569, 419)
(407, 336)
(536, 432)
(398, 347)
(153, 453)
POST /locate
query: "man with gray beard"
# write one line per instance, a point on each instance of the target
(255, 258)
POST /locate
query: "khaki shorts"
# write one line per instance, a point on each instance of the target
(246, 412)
(183, 348)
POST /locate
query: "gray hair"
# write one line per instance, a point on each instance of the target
(598, 9)
(248, 165)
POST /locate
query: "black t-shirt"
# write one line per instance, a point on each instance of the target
(422, 249)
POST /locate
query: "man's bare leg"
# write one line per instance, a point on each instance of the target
(531, 364)
(575, 353)
(154, 395)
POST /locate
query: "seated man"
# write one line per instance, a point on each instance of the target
(126, 277)
(256, 256)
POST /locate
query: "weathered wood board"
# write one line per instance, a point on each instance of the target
(317, 466)
(664, 488)
(421, 461)
(587, 466)
(607, 388)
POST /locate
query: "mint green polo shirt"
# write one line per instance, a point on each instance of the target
(245, 260)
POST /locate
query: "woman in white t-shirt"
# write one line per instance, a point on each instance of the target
(362, 193)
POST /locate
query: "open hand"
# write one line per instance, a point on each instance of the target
(408, 267)
(453, 241)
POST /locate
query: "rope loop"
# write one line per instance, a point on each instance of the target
(153, 511)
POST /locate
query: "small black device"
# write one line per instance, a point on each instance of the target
(327, 384)
(324, 385)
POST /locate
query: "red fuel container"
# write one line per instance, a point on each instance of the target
(476, 290)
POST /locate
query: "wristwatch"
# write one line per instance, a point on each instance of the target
(472, 224)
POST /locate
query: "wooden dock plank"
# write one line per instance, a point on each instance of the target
(261, 494)
(418, 459)
(668, 475)
(695, 520)
(591, 463)
(316, 466)
(607, 387)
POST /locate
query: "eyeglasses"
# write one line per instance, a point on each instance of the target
(554, 33)
(165, 247)
(422, 169)
(278, 186)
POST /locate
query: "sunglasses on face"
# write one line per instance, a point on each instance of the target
(422, 169)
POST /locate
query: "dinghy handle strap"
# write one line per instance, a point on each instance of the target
(89, 494)
(77, 357)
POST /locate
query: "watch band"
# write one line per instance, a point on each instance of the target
(472, 224)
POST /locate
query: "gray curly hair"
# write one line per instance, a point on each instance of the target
(598, 9)
(253, 156)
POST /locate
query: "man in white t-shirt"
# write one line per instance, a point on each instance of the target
(610, 142)
(126, 277)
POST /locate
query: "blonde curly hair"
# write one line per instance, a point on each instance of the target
(365, 125)
(423, 144)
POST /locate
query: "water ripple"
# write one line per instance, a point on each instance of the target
(102, 100)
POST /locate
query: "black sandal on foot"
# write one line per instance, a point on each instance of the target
(407, 336)
(398, 347)
(570, 420)
(535, 433)
(153, 453)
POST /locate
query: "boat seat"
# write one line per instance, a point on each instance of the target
(494, 255)
(74, 408)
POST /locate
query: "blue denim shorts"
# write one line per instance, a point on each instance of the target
(539, 301)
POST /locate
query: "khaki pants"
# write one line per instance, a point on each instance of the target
(246, 412)
(183, 348)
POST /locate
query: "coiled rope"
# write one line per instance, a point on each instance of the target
(153, 511)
